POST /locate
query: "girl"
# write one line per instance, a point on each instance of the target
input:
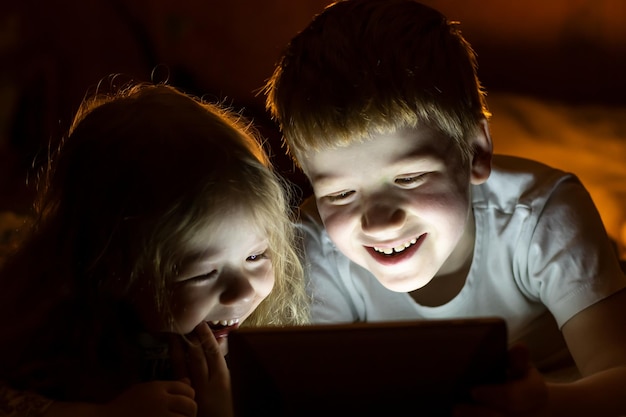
(159, 215)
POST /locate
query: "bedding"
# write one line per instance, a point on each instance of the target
(588, 140)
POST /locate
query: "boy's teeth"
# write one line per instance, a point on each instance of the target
(389, 251)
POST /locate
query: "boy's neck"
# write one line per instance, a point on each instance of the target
(448, 283)
(443, 288)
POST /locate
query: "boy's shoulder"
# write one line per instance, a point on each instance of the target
(525, 171)
(520, 164)
(516, 181)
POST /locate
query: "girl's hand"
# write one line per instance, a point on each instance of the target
(205, 366)
(155, 399)
(525, 394)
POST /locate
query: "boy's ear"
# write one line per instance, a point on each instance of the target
(483, 151)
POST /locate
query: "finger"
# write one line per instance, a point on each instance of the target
(178, 356)
(210, 346)
(180, 388)
(182, 405)
(216, 364)
(180, 399)
(209, 372)
(197, 366)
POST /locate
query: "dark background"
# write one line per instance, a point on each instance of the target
(53, 52)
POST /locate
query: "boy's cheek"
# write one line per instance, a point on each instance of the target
(342, 237)
(335, 219)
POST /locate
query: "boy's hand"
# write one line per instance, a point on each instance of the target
(206, 367)
(154, 399)
(525, 394)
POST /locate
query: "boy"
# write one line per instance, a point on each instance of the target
(413, 217)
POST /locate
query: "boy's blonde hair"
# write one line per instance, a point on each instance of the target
(372, 66)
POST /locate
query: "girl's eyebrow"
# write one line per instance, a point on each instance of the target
(203, 254)
(191, 258)
(194, 255)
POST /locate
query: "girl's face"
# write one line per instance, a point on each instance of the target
(224, 276)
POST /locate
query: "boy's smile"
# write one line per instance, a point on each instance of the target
(395, 254)
(398, 204)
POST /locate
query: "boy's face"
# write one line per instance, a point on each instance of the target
(399, 204)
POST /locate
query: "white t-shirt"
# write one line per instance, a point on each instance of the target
(541, 255)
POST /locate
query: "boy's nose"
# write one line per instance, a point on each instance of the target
(382, 218)
(237, 289)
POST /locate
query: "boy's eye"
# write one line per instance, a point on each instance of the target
(410, 180)
(340, 198)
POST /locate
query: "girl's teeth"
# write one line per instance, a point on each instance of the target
(389, 251)
(225, 322)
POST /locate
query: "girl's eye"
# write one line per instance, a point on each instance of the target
(204, 277)
(340, 198)
(198, 279)
(257, 257)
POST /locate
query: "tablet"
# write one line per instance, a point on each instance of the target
(382, 369)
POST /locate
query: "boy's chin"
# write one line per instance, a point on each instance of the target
(394, 278)
(400, 284)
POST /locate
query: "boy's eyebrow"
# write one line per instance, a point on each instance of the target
(425, 154)
(322, 180)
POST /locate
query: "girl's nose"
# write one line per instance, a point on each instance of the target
(379, 218)
(237, 289)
